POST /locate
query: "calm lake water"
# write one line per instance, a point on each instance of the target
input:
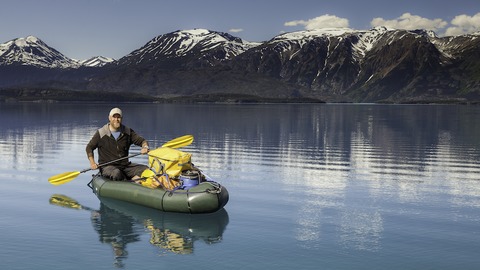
(312, 186)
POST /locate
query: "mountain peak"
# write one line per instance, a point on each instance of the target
(329, 32)
(204, 48)
(196, 31)
(22, 42)
(96, 61)
(31, 51)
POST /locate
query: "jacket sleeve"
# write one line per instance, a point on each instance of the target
(137, 139)
(93, 144)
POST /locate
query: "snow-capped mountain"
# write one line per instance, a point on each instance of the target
(96, 61)
(31, 51)
(373, 65)
(192, 48)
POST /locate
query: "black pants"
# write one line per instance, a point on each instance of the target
(123, 173)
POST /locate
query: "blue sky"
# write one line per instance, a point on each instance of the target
(81, 29)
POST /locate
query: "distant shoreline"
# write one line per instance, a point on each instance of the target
(57, 96)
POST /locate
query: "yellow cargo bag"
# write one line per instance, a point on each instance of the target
(152, 180)
(169, 161)
(166, 165)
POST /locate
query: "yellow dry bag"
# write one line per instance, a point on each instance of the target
(169, 161)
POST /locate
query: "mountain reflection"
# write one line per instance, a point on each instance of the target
(328, 132)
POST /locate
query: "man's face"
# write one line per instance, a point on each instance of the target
(115, 120)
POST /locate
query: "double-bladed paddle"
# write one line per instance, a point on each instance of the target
(66, 177)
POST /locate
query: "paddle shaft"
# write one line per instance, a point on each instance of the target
(110, 162)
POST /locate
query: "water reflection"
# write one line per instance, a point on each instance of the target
(115, 229)
(361, 229)
(399, 140)
(119, 224)
(370, 157)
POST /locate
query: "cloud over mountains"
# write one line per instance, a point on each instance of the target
(461, 24)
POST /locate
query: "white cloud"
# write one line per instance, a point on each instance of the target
(235, 30)
(461, 24)
(464, 24)
(324, 21)
(410, 22)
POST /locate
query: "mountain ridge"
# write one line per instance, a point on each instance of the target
(376, 65)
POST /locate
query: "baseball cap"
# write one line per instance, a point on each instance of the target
(115, 111)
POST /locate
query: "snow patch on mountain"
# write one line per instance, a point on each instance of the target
(365, 41)
(308, 34)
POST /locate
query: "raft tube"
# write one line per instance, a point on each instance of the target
(206, 197)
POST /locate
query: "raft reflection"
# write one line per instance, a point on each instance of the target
(119, 223)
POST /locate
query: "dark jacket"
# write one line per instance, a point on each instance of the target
(110, 149)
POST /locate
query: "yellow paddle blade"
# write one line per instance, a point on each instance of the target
(179, 142)
(64, 201)
(63, 178)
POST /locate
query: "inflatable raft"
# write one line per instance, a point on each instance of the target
(206, 197)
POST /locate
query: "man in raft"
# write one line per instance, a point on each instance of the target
(113, 142)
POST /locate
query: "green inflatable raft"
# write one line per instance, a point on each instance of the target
(206, 197)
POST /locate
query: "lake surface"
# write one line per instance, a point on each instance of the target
(312, 186)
